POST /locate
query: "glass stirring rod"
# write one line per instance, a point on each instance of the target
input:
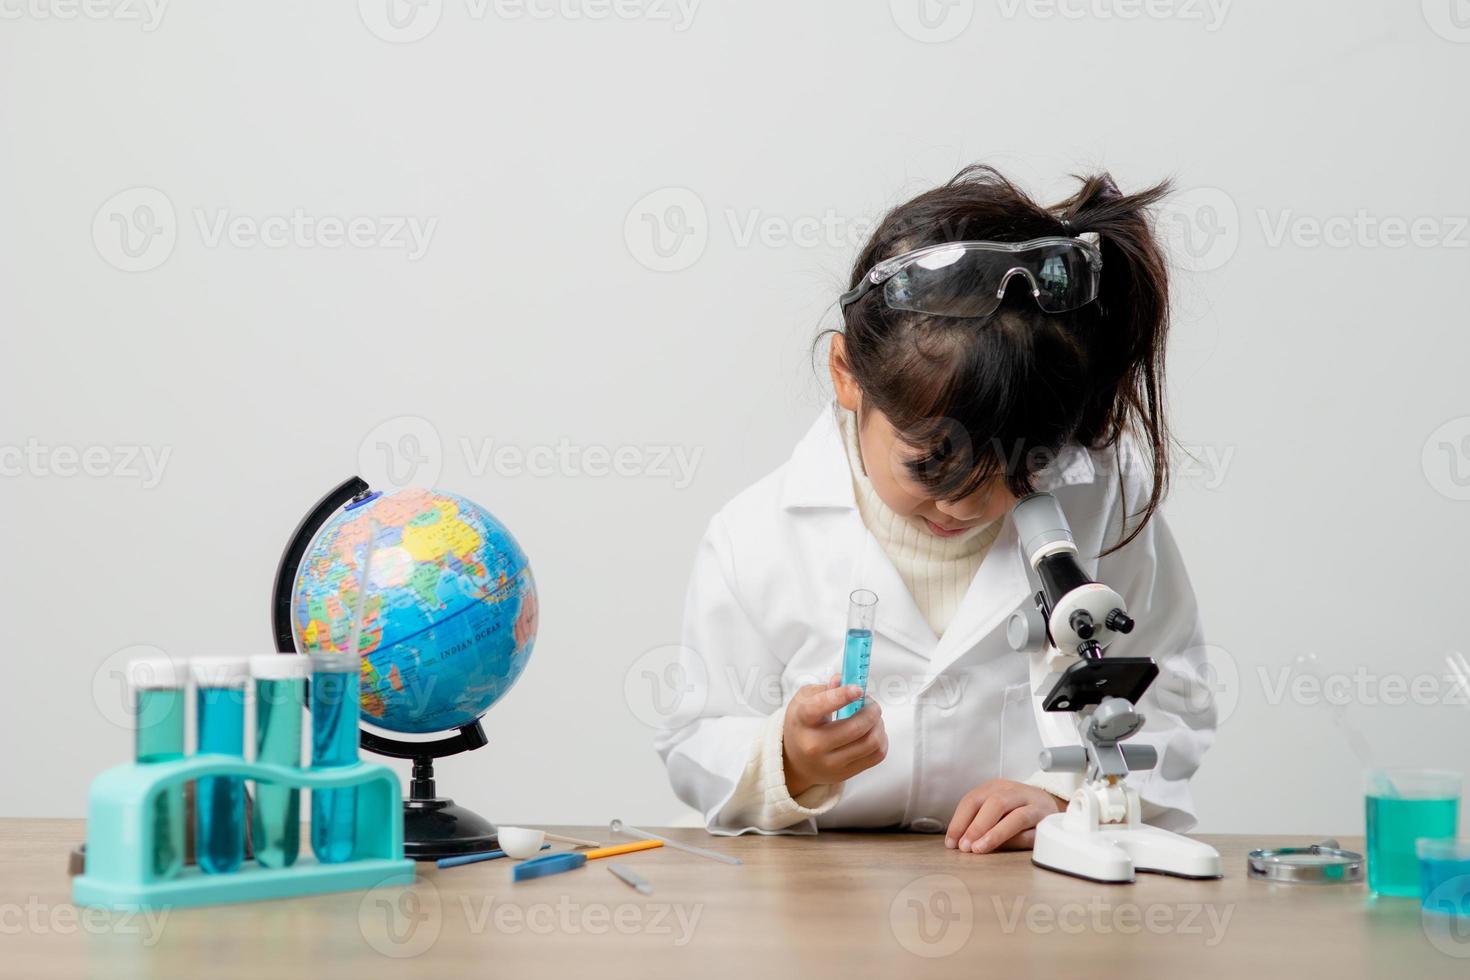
(618, 827)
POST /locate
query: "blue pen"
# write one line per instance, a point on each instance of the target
(551, 864)
(458, 859)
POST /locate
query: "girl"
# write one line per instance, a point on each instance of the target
(970, 369)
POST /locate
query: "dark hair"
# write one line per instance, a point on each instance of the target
(977, 398)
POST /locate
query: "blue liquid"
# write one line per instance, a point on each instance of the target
(277, 822)
(1444, 886)
(219, 805)
(855, 654)
(1394, 824)
(334, 737)
(160, 737)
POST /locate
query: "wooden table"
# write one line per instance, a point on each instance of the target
(838, 905)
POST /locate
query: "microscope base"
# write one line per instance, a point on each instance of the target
(1113, 852)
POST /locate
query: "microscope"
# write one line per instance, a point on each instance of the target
(1086, 710)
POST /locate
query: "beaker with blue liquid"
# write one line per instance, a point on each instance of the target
(219, 801)
(857, 647)
(1404, 805)
(334, 740)
(1444, 876)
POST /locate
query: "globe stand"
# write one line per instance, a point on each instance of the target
(436, 826)
(433, 826)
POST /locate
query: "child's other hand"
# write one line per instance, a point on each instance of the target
(817, 750)
(1000, 815)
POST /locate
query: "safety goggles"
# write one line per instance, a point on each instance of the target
(968, 279)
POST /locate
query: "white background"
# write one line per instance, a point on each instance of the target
(1321, 384)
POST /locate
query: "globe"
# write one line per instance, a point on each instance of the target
(450, 617)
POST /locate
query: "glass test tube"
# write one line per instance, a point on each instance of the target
(158, 689)
(219, 801)
(280, 699)
(334, 715)
(862, 606)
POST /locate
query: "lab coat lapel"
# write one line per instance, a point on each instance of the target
(898, 616)
(998, 589)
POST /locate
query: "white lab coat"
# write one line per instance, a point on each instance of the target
(766, 613)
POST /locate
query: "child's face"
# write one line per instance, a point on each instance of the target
(886, 459)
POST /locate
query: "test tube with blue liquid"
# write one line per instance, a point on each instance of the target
(862, 606)
(158, 686)
(334, 716)
(280, 700)
(219, 804)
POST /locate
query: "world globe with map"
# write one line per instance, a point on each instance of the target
(450, 615)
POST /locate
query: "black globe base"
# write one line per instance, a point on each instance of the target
(435, 826)
(439, 827)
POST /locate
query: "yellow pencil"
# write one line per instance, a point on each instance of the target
(616, 849)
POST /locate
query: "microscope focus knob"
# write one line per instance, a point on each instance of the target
(1064, 758)
(1119, 622)
(1082, 624)
(1026, 631)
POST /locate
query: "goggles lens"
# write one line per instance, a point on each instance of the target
(969, 279)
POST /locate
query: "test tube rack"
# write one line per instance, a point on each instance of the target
(120, 825)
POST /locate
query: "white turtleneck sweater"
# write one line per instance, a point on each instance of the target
(937, 572)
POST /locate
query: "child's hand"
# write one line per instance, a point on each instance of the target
(817, 750)
(1000, 815)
